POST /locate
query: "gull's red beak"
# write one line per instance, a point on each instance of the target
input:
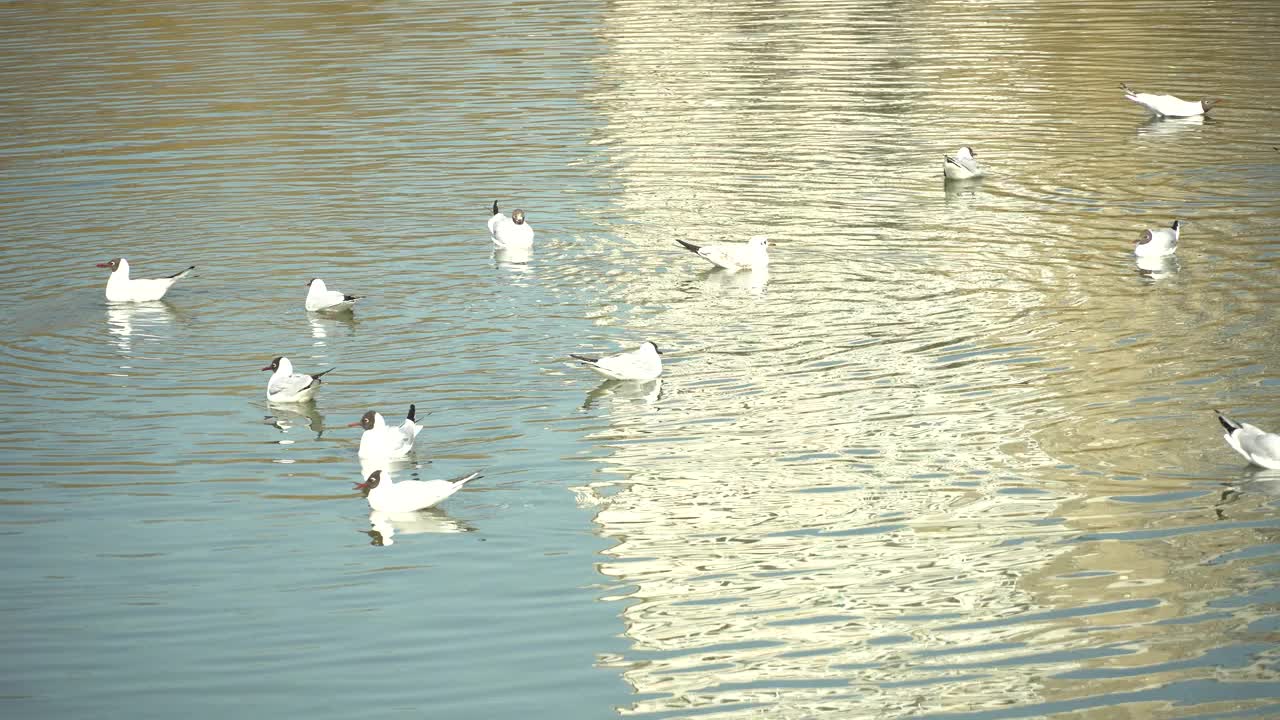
(354, 424)
(267, 367)
(361, 486)
(104, 265)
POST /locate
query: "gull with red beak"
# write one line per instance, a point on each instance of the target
(386, 495)
(122, 288)
(382, 441)
(287, 386)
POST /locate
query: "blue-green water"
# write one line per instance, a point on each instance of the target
(954, 455)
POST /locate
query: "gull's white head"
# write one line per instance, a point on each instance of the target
(317, 285)
(759, 242)
(281, 365)
(966, 153)
(651, 346)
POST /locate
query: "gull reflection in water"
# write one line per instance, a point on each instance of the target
(388, 466)
(1156, 125)
(752, 281)
(130, 322)
(324, 324)
(632, 390)
(516, 259)
(287, 416)
(383, 527)
(961, 190)
(1157, 268)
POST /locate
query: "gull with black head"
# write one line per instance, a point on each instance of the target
(386, 495)
(122, 288)
(510, 233)
(642, 364)
(1158, 242)
(287, 386)
(382, 441)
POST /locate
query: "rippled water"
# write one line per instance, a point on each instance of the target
(952, 456)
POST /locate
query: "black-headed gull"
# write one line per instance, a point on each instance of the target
(754, 254)
(963, 166)
(643, 363)
(1256, 445)
(320, 297)
(287, 386)
(1168, 105)
(1158, 242)
(510, 233)
(122, 288)
(386, 495)
(381, 440)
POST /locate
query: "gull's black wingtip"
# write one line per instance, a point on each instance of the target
(413, 412)
(495, 207)
(584, 358)
(689, 246)
(1226, 423)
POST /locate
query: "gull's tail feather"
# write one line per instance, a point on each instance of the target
(464, 479)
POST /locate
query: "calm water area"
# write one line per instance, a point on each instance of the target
(953, 455)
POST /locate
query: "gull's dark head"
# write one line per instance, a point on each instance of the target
(517, 217)
(370, 483)
(366, 421)
(1145, 237)
(113, 264)
(275, 363)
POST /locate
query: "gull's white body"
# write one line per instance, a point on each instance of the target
(412, 495)
(320, 297)
(643, 363)
(507, 233)
(287, 386)
(1168, 105)
(385, 441)
(1254, 444)
(1161, 242)
(122, 288)
(754, 254)
(963, 166)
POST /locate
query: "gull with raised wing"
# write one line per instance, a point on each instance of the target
(1168, 105)
(381, 440)
(122, 288)
(754, 254)
(1254, 444)
(510, 233)
(1158, 242)
(643, 364)
(963, 166)
(386, 495)
(320, 297)
(287, 386)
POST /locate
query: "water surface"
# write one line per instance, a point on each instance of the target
(952, 456)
